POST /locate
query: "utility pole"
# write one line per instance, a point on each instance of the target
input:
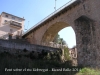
(27, 26)
(55, 5)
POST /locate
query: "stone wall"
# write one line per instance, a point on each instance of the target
(85, 32)
(22, 45)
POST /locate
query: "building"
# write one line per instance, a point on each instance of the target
(73, 55)
(11, 27)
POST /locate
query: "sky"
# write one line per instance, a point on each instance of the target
(34, 11)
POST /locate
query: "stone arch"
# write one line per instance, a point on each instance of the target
(52, 31)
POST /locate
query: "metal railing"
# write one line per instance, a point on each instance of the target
(56, 11)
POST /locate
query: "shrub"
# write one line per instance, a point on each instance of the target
(25, 50)
(31, 55)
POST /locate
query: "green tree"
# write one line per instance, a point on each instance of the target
(62, 42)
(56, 39)
(59, 40)
(66, 53)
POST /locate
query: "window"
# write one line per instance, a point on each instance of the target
(19, 20)
(18, 32)
(5, 21)
(10, 36)
(6, 15)
(84, 7)
(13, 18)
(11, 30)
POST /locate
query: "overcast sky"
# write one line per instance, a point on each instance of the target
(34, 11)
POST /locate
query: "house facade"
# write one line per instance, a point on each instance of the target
(11, 27)
(73, 55)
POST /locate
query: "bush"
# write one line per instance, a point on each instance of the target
(25, 50)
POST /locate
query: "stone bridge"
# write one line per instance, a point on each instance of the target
(84, 17)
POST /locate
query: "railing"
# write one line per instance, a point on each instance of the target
(54, 45)
(56, 11)
(13, 23)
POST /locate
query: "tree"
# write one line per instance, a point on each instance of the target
(56, 39)
(65, 50)
(66, 53)
(59, 40)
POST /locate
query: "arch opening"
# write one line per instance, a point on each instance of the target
(58, 28)
(68, 36)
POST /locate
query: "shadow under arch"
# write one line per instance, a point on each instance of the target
(52, 31)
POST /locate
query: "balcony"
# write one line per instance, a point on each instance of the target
(15, 24)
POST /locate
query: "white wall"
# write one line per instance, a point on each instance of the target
(5, 26)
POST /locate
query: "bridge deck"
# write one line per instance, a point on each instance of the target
(65, 7)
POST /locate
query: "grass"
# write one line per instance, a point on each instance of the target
(89, 71)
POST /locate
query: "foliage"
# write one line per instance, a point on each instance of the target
(66, 53)
(12, 62)
(89, 71)
(25, 50)
(59, 40)
(56, 39)
(54, 56)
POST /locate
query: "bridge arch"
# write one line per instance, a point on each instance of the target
(52, 31)
(84, 29)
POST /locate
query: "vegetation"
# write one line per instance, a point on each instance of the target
(22, 65)
(66, 54)
(59, 40)
(89, 71)
(14, 65)
(65, 49)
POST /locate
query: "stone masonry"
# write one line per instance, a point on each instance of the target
(15, 45)
(84, 17)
